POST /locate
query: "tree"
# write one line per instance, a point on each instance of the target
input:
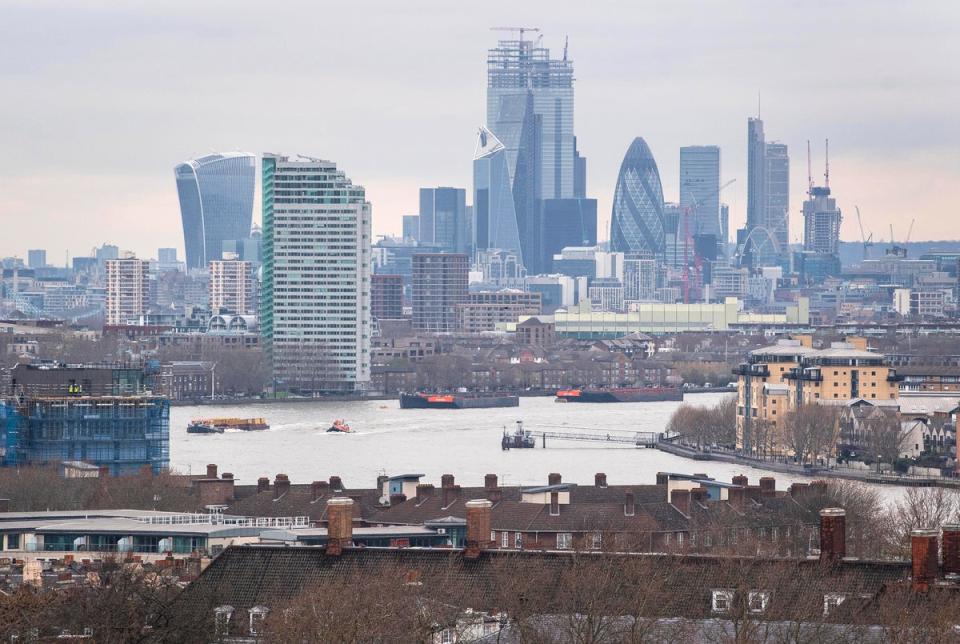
(811, 431)
(885, 435)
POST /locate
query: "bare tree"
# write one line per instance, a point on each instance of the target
(811, 431)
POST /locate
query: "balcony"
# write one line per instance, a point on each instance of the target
(755, 370)
(805, 375)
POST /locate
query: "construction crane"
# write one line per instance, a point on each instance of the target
(910, 231)
(687, 238)
(867, 239)
(520, 30)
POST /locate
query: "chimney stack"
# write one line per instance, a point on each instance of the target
(490, 481)
(450, 494)
(281, 485)
(600, 479)
(680, 499)
(818, 488)
(553, 479)
(554, 504)
(799, 490)
(699, 494)
(662, 478)
(629, 507)
(227, 476)
(951, 549)
(263, 484)
(753, 492)
(212, 471)
(424, 491)
(833, 534)
(478, 527)
(336, 484)
(318, 489)
(741, 480)
(494, 494)
(923, 549)
(446, 480)
(397, 499)
(768, 486)
(736, 497)
(339, 524)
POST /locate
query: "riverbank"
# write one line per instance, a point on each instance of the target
(812, 472)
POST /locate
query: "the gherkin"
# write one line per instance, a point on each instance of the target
(637, 221)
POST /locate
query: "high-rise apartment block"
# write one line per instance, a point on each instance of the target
(128, 289)
(216, 203)
(443, 219)
(387, 297)
(440, 283)
(232, 287)
(315, 303)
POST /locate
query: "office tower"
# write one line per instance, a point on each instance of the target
(724, 228)
(439, 285)
(700, 192)
(36, 258)
(522, 67)
(777, 168)
(315, 303)
(579, 173)
(167, 255)
(637, 220)
(232, 287)
(128, 289)
(673, 242)
(386, 297)
(494, 212)
(821, 221)
(566, 222)
(411, 227)
(106, 253)
(248, 249)
(216, 203)
(443, 218)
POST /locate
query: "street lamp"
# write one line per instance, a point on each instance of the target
(879, 456)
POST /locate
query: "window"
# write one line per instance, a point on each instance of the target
(493, 536)
(596, 541)
(722, 601)
(504, 539)
(13, 542)
(564, 541)
(447, 636)
(221, 622)
(257, 616)
(831, 601)
(517, 540)
(757, 601)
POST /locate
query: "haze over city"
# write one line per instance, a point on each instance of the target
(103, 100)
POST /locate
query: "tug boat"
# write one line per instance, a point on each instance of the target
(339, 426)
(218, 425)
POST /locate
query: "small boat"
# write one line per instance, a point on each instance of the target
(339, 427)
(203, 427)
(218, 425)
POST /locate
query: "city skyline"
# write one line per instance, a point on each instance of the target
(890, 124)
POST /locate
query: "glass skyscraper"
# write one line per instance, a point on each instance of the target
(216, 203)
(443, 219)
(494, 212)
(766, 236)
(700, 188)
(637, 220)
(315, 296)
(522, 67)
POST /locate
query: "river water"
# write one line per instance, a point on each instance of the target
(463, 442)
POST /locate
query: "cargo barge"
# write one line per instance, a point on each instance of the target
(422, 400)
(620, 394)
(218, 425)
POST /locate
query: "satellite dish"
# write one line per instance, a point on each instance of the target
(384, 500)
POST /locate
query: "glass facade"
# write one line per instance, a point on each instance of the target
(443, 219)
(567, 222)
(637, 220)
(216, 203)
(700, 188)
(495, 215)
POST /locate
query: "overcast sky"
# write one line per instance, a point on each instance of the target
(101, 99)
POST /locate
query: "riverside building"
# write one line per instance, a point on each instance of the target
(315, 300)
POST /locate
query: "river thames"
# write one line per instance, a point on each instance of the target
(466, 443)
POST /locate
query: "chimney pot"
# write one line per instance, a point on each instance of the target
(490, 481)
(554, 479)
(629, 507)
(478, 527)
(263, 484)
(600, 479)
(336, 484)
(951, 549)
(339, 524)
(680, 499)
(833, 535)
(212, 471)
(923, 549)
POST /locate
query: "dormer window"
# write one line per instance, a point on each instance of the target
(832, 601)
(221, 620)
(757, 601)
(258, 615)
(722, 601)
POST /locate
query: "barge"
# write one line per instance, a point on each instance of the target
(219, 425)
(423, 400)
(620, 394)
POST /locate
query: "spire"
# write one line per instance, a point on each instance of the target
(487, 143)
